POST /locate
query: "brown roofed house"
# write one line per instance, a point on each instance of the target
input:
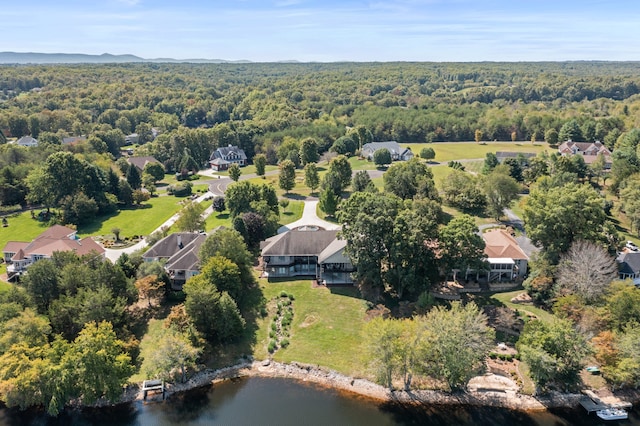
(20, 255)
(140, 162)
(505, 257)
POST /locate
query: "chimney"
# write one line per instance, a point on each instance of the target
(180, 246)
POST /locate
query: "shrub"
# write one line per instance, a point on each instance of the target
(284, 343)
(283, 294)
(291, 297)
(272, 346)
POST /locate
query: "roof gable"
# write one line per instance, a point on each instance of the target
(499, 244)
(170, 245)
(140, 162)
(299, 243)
(629, 262)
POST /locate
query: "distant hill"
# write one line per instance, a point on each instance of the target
(81, 58)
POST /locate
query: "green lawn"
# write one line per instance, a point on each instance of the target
(292, 213)
(135, 221)
(326, 329)
(448, 151)
(21, 228)
(506, 299)
(148, 344)
(218, 219)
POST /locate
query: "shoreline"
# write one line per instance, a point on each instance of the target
(331, 379)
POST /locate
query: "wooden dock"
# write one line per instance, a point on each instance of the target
(592, 403)
(152, 386)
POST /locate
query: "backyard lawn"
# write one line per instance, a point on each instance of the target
(326, 329)
(21, 228)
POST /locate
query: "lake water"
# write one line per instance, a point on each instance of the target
(261, 401)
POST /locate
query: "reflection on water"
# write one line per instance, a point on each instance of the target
(261, 401)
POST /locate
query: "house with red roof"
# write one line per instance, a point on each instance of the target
(19, 255)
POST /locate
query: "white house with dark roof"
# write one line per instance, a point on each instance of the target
(223, 157)
(181, 253)
(307, 252)
(397, 152)
(19, 255)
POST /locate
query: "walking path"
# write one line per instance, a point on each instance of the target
(114, 254)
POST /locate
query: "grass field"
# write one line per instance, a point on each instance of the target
(505, 298)
(21, 228)
(326, 329)
(448, 151)
(148, 345)
(136, 221)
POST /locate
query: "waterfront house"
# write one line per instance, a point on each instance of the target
(180, 251)
(307, 251)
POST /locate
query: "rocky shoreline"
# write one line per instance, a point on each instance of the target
(325, 377)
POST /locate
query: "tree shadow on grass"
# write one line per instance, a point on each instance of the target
(93, 226)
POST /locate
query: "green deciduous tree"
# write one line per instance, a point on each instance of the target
(175, 350)
(409, 179)
(154, 169)
(311, 177)
(362, 182)
(287, 177)
(427, 153)
(328, 202)
(260, 161)
(454, 343)
(461, 245)
(382, 157)
(554, 351)
(308, 151)
(191, 219)
(556, 217)
(463, 191)
(500, 190)
(338, 178)
(99, 362)
(234, 172)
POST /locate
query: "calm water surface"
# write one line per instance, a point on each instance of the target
(260, 401)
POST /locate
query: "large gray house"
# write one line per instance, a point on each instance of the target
(180, 251)
(223, 157)
(307, 252)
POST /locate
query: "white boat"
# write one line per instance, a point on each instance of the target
(612, 414)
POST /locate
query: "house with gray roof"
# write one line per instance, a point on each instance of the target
(629, 265)
(140, 162)
(397, 153)
(223, 157)
(308, 251)
(180, 251)
(27, 141)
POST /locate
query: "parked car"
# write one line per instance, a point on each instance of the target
(631, 246)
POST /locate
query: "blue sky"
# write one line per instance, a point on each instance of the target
(348, 30)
